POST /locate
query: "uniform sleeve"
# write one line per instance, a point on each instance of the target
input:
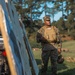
(59, 42)
(40, 36)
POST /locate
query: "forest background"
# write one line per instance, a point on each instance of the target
(31, 10)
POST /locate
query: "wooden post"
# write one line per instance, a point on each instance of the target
(6, 44)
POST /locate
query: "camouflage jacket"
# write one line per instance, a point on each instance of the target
(45, 44)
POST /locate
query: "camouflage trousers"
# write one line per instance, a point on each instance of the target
(52, 55)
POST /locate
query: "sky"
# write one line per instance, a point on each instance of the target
(56, 17)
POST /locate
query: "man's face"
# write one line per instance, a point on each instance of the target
(47, 22)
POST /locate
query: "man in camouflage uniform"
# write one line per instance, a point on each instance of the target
(49, 49)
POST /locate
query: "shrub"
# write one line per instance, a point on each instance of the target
(72, 34)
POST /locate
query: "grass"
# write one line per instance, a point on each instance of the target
(67, 68)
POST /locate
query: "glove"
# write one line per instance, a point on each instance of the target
(60, 59)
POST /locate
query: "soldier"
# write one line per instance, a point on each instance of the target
(50, 41)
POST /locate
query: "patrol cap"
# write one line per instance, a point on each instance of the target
(46, 18)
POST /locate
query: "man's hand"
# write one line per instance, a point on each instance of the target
(59, 50)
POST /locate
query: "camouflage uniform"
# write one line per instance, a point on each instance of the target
(49, 50)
